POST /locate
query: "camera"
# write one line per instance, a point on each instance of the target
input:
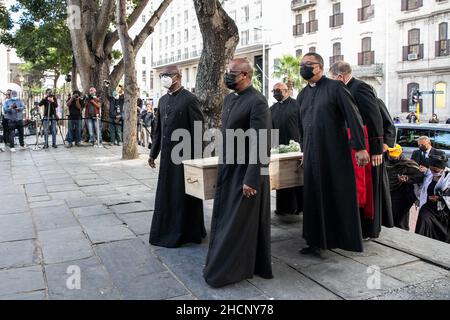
(107, 83)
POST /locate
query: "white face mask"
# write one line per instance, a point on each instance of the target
(167, 82)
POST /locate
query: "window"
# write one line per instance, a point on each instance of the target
(178, 37)
(258, 9)
(312, 25)
(244, 38)
(166, 42)
(186, 16)
(258, 35)
(411, 87)
(441, 140)
(443, 44)
(337, 19)
(414, 49)
(299, 53)
(194, 33)
(245, 14)
(367, 10)
(312, 49)
(172, 23)
(366, 56)
(409, 137)
(337, 56)
(143, 19)
(411, 4)
(299, 27)
(144, 60)
(178, 19)
(152, 78)
(166, 26)
(186, 35)
(440, 98)
(144, 76)
(172, 40)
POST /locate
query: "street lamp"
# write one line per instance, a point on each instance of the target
(263, 69)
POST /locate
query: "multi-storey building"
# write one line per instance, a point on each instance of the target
(396, 46)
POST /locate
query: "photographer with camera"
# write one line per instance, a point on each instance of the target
(5, 121)
(116, 102)
(13, 111)
(50, 116)
(92, 106)
(75, 119)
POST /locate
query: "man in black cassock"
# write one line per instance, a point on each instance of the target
(369, 107)
(330, 209)
(285, 117)
(178, 218)
(240, 229)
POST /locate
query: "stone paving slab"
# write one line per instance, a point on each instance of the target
(130, 207)
(91, 211)
(100, 220)
(49, 218)
(61, 245)
(379, 255)
(138, 222)
(47, 204)
(289, 284)
(417, 245)
(14, 227)
(101, 234)
(82, 202)
(95, 282)
(19, 254)
(33, 296)
(62, 187)
(21, 280)
(13, 203)
(417, 272)
(432, 290)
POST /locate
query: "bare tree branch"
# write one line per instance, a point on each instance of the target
(113, 37)
(103, 22)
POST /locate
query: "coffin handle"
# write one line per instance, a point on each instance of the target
(300, 165)
(191, 181)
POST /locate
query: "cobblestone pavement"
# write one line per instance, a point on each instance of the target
(85, 212)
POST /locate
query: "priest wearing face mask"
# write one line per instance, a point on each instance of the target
(330, 209)
(240, 229)
(434, 213)
(285, 118)
(177, 218)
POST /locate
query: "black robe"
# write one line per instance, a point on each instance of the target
(330, 208)
(178, 218)
(402, 194)
(371, 113)
(433, 223)
(240, 227)
(285, 117)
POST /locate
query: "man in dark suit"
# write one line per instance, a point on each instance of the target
(422, 156)
(377, 210)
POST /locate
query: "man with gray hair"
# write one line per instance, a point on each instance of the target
(422, 156)
(377, 210)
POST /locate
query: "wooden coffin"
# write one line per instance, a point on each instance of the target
(200, 175)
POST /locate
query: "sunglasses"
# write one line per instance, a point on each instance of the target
(308, 64)
(170, 75)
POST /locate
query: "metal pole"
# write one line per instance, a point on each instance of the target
(433, 95)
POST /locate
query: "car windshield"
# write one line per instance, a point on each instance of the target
(408, 137)
(442, 140)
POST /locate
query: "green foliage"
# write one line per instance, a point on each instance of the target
(41, 38)
(288, 69)
(256, 82)
(292, 147)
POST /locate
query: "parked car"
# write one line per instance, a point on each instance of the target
(409, 133)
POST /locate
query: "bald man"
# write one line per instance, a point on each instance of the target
(240, 227)
(285, 118)
(178, 218)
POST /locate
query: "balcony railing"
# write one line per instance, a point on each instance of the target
(366, 58)
(336, 20)
(335, 59)
(312, 26)
(365, 13)
(298, 30)
(442, 48)
(368, 71)
(302, 4)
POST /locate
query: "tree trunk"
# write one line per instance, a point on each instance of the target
(74, 72)
(130, 150)
(220, 38)
(55, 81)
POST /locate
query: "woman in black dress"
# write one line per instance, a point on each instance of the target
(434, 221)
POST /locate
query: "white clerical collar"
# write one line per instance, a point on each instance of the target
(312, 85)
(348, 81)
(173, 92)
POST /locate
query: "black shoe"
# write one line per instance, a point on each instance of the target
(77, 144)
(46, 146)
(70, 145)
(54, 146)
(309, 250)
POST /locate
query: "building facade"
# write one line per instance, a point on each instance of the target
(396, 46)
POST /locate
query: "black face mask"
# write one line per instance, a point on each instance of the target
(230, 81)
(423, 148)
(278, 95)
(307, 73)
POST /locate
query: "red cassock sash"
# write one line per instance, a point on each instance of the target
(364, 182)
